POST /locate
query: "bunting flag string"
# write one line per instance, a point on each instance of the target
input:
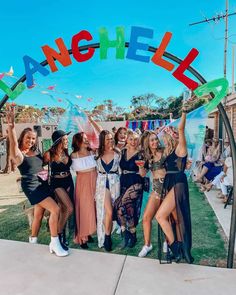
(146, 124)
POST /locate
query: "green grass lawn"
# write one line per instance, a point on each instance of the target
(208, 243)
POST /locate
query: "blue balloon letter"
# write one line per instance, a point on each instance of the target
(37, 67)
(134, 45)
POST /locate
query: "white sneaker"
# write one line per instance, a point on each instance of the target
(165, 247)
(33, 240)
(145, 250)
(118, 230)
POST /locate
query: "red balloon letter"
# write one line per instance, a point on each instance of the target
(83, 35)
(179, 72)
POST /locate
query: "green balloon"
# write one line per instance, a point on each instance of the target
(119, 43)
(12, 94)
(211, 87)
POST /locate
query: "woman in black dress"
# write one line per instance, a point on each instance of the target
(127, 207)
(173, 215)
(61, 180)
(26, 156)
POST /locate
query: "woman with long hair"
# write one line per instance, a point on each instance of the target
(173, 214)
(107, 187)
(27, 157)
(84, 164)
(61, 180)
(127, 207)
(120, 138)
(155, 154)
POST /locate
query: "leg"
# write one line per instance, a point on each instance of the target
(50, 205)
(202, 174)
(108, 221)
(108, 213)
(37, 219)
(149, 213)
(163, 214)
(66, 207)
(174, 215)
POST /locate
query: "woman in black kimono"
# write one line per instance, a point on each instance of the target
(127, 207)
(173, 215)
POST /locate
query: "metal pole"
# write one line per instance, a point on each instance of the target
(233, 48)
(228, 128)
(226, 39)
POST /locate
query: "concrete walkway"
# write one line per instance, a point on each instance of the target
(27, 269)
(223, 215)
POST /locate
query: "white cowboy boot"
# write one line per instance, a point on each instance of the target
(33, 240)
(55, 247)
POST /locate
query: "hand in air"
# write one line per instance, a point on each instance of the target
(10, 115)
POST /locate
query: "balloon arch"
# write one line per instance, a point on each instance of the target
(222, 112)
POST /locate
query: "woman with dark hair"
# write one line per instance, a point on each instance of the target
(173, 214)
(26, 156)
(127, 207)
(84, 164)
(107, 187)
(61, 180)
(120, 138)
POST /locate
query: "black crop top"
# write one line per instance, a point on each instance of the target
(57, 167)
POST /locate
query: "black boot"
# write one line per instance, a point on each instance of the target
(176, 249)
(107, 243)
(90, 239)
(125, 239)
(132, 240)
(64, 239)
(60, 236)
(187, 255)
(84, 246)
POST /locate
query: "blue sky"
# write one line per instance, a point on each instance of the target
(28, 25)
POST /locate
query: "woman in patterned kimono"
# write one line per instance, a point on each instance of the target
(107, 187)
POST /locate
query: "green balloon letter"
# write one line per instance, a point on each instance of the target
(211, 87)
(119, 43)
(12, 93)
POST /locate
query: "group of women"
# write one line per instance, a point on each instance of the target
(109, 187)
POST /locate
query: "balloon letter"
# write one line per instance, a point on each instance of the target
(83, 35)
(63, 57)
(37, 67)
(157, 57)
(211, 87)
(119, 43)
(12, 93)
(134, 45)
(179, 72)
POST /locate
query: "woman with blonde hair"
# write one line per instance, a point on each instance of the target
(127, 207)
(155, 154)
(173, 214)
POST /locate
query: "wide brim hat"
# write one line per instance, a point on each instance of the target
(57, 136)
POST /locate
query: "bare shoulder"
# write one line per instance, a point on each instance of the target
(46, 157)
(73, 155)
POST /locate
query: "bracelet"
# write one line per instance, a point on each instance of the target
(184, 111)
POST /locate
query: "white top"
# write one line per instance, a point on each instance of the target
(84, 163)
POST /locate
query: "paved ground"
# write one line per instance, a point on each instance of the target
(223, 215)
(31, 270)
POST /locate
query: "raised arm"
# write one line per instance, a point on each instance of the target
(97, 127)
(181, 149)
(15, 153)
